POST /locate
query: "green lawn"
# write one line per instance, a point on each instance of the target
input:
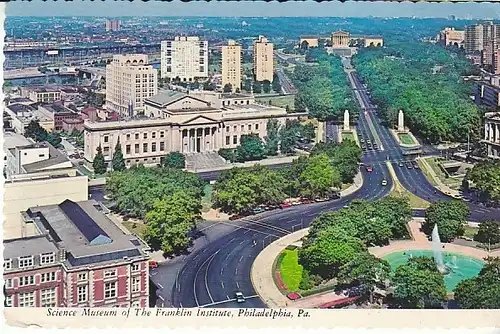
(291, 270)
(406, 139)
(347, 136)
(206, 200)
(279, 101)
(415, 202)
(470, 231)
(453, 183)
(136, 227)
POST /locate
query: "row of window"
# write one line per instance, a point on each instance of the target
(29, 261)
(48, 298)
(145, 148)
(30, 280)
(136, 136)
(242, 127)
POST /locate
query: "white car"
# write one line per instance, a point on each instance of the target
(384, 182)
(239, 297)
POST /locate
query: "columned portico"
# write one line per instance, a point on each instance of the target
(199, 139)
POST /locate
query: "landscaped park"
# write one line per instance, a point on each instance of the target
(375, 255)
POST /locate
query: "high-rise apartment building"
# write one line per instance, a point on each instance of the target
(474, 38)
(130, 79)
(496, 62)
(484, 39)
(113, 25)
(231, 65)
(185, 57)
(263, 61)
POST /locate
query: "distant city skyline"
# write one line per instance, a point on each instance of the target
(246, 9)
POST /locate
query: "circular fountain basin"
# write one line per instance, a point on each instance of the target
(458, 267)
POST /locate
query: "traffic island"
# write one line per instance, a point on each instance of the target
(405, 138)
(399, 191)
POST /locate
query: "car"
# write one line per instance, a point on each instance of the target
(153, 264)
(321, 199)
(375, 145)
(335, 195)
(285, 205)
(409, 165)
(368, 141)
(307, 201)
(258, 210)
(369, 168)
(401, 164)
(235, 217)
(415, 165)
(240, 298)
(362, 140)
(296, 203)
(384, 182)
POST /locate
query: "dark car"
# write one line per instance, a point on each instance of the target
(409, 165)
(415, 165)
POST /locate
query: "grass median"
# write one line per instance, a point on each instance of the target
(290, 269)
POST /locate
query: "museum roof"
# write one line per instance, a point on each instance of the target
(166, 97)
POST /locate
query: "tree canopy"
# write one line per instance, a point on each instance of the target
(39, 134)
(424, 81)
(486, 178)
(99, 164)
(175, 160)
(117, 162)
(450, 217)
(344, 156)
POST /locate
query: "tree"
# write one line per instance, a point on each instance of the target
(170, 222)
(489, 232)
(99, 164)
(257, 87)
(483, 291)
(308, 132)
(174, 160)
(236, 191)
(35, 131)
(276, 84)
(418, 284)
(329, 252)
(367, 271)
(117, 162)
(209, 86)
(450, 217)
(344, 156)
(397, 213)
(247, 85)
(251, 148)
(319, 177)
(228, 88)
(266, 86)
(272, 138)
(486, 178)
(54, 139)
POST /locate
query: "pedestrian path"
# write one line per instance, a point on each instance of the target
(440, 185)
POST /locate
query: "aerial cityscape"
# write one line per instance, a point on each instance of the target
(251, 162)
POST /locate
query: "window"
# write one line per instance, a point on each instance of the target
(257, 126)
(136, 136)
(162, 146)
(146, 135)
(48, 277)
(234, 128)
(127, 149)
(136, 284)
(110, 290)
(25, 261)
(47, 258)
(27, 299)
(82, 276)
(110, 273)
(82, 293)
(145, 147)
(153, 135)
(227, 128)
(128, 136)
(105, 150)
(26, 280)
(135, 267)
(228, 140)
(106, 139)
(235, 140)
(9, 283)
(153, 147)
(242, 128)
(48, 297)
(8, 301)
(162, 134)
(136, 304)
(7, 264)
(136, 148)
(249, 127)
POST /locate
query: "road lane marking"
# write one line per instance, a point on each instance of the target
(243, 227)
(240, 259)
(222, 284)
(196, 276)
(162, 299)
(161, 286)
(226, 301)
(237, 285)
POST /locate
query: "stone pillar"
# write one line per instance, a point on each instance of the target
(401, 121)
(214, 139)
(497, 126)
(486, 131)
(492, 132)
(346, 121)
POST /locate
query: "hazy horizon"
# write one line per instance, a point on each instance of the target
(253, 9)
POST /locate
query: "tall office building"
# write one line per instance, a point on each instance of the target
(185, 57)
(231, 65)
(483, 38)
(474, 38)
(130, 79)
(263, 62)
(113, 25)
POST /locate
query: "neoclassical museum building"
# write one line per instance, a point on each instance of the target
(191, 122)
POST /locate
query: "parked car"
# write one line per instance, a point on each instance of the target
(415, 165)
(258, 210)
(369, 168)
(235, 217)
(153, 264)
(384, 182)
(401, 164)
(307, 201)
(321, 199)
(296, 202)
(285, 205)
(409, 165)
(335, 195)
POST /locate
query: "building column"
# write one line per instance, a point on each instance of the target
(486, 131)
(492, 133)
(213, 130)
(189, 141)
(497, 135)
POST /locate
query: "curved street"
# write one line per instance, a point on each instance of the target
(212, 273)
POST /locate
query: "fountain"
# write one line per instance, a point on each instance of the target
(436, 250)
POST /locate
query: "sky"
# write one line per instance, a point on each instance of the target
(256, 8)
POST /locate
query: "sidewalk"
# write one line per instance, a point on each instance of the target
(440, 185)
(265, 162)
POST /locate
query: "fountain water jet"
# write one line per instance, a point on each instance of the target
(436, 250)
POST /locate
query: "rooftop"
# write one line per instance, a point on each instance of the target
(165, 97)
(39, 244)
(85, 232)
(43, 89)
(493, 116)
(235, 96)
(55, 158)
(55, 108)
(12, 140)
(19, 109)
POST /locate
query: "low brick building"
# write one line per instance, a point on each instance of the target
(79, 259)
(72, 124)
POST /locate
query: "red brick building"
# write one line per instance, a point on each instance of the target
(71, 124)
(59, 113)
(80, 259)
